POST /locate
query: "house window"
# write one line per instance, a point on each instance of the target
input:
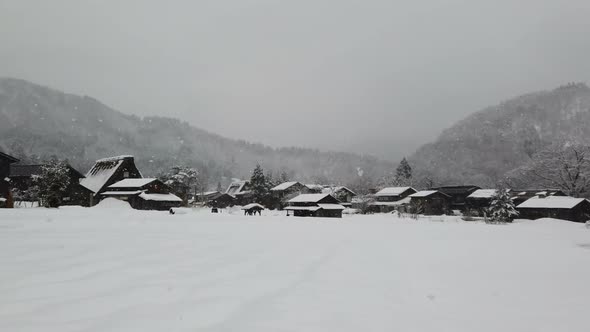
(125, 174)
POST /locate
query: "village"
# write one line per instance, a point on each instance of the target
(119, 178)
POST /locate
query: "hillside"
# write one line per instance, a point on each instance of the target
(484, 146)
(37, 122)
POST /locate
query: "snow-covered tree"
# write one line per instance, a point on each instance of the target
(53, 182)
(259, 184)
(502, 209)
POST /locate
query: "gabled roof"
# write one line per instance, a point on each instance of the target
(285, 186)
(308, 198)
(393, 191)
(8, 158)
(133, 183)
(252, 206)
(426, 193)
(330, 190)
(551, 202)
(236, 188)
(484, 193)
(459, 189)
(102, 171)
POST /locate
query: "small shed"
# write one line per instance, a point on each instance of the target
(558, 207)
(315, 205)
(252, 209)
(431, 202)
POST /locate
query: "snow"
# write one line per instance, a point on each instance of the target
(483, 193)
(252, 205)
(302, 208)
(552, 202)
(331, 206)
(423, 193)
(80, 269)
(115, 158)
(133, 183)
(403, 201)
(112, 203)
(284, 186)
(160, 197)
(330, 190)
(96, 181)
(121, 193)
(308, 198)
(392, 191)
(2, 199)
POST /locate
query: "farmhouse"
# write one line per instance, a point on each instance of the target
(144, 194)
(458, 194)
(315, 205)
(431, 202)
(222, 201)
(108, 171)
(343, 194)
(480, 200)
(559, 207)
(519, 196)
(241, 191)
(388, 199)
(23, 178)
(5, 194)
(287, 190)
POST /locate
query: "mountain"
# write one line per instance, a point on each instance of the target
(482, 148)
(37, 122)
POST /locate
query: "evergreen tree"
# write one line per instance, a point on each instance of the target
(258, 184)
(53, 182)
(502, 208)
(403, 173)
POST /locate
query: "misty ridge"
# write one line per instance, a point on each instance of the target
(495, 145)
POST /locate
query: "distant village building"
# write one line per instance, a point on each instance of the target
(5, 194)
(241, 191)
(391, 198)
(431, 202)
(480, 200)
(343, 194)
(559, 207)
(519, 196)
(144, 194)
(222, 201)
(207, 196)
(458, 195)
(315, 188)
(23, 178)
(315, 205)
(286, 191)
(106, 172)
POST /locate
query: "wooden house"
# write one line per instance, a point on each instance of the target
(241, 191)
(143, 194)
(23, 178)
(458, 195)
(207, 196)
(431, 202)
(222, 201)
(5, 194)
(286, 191)
(315, 188)
(558, 207)
(106, 172)
(315, 205)
(343, 194)
(391, 198)
(519, 196)
(480, 200)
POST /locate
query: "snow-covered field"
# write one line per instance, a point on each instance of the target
(100, 269)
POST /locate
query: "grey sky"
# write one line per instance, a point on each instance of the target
(376, 76)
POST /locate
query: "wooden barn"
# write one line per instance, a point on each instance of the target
(241, 191)
(558, 207)
(144, 194)
(458, 195)
(519, 196)
(222, 201)
(106, 172)
(343, 194)
(5, 194)
(391, 198)
(315, 205)
(286, 191)
(431, 202)
(22, 178)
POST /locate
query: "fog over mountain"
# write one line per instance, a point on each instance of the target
(375, 76)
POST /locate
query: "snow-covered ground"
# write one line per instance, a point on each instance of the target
(116, 269)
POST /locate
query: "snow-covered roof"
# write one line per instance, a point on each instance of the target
(485, 193)
(116, 158)
(252, 206)
(100, 174)
(551, 202)
(284, 186)
(315, 186)
(132, 183)
(330, 190)
(308, 198)
(392, 191)
(2, 199)
(331, 207)
(403, 201)
(302, 208)
(424, 193)
(160, 197)
(235, 188)
(121, 193)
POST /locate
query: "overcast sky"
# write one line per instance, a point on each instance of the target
(374, 76)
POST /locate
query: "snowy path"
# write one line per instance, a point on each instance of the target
(118, 270)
